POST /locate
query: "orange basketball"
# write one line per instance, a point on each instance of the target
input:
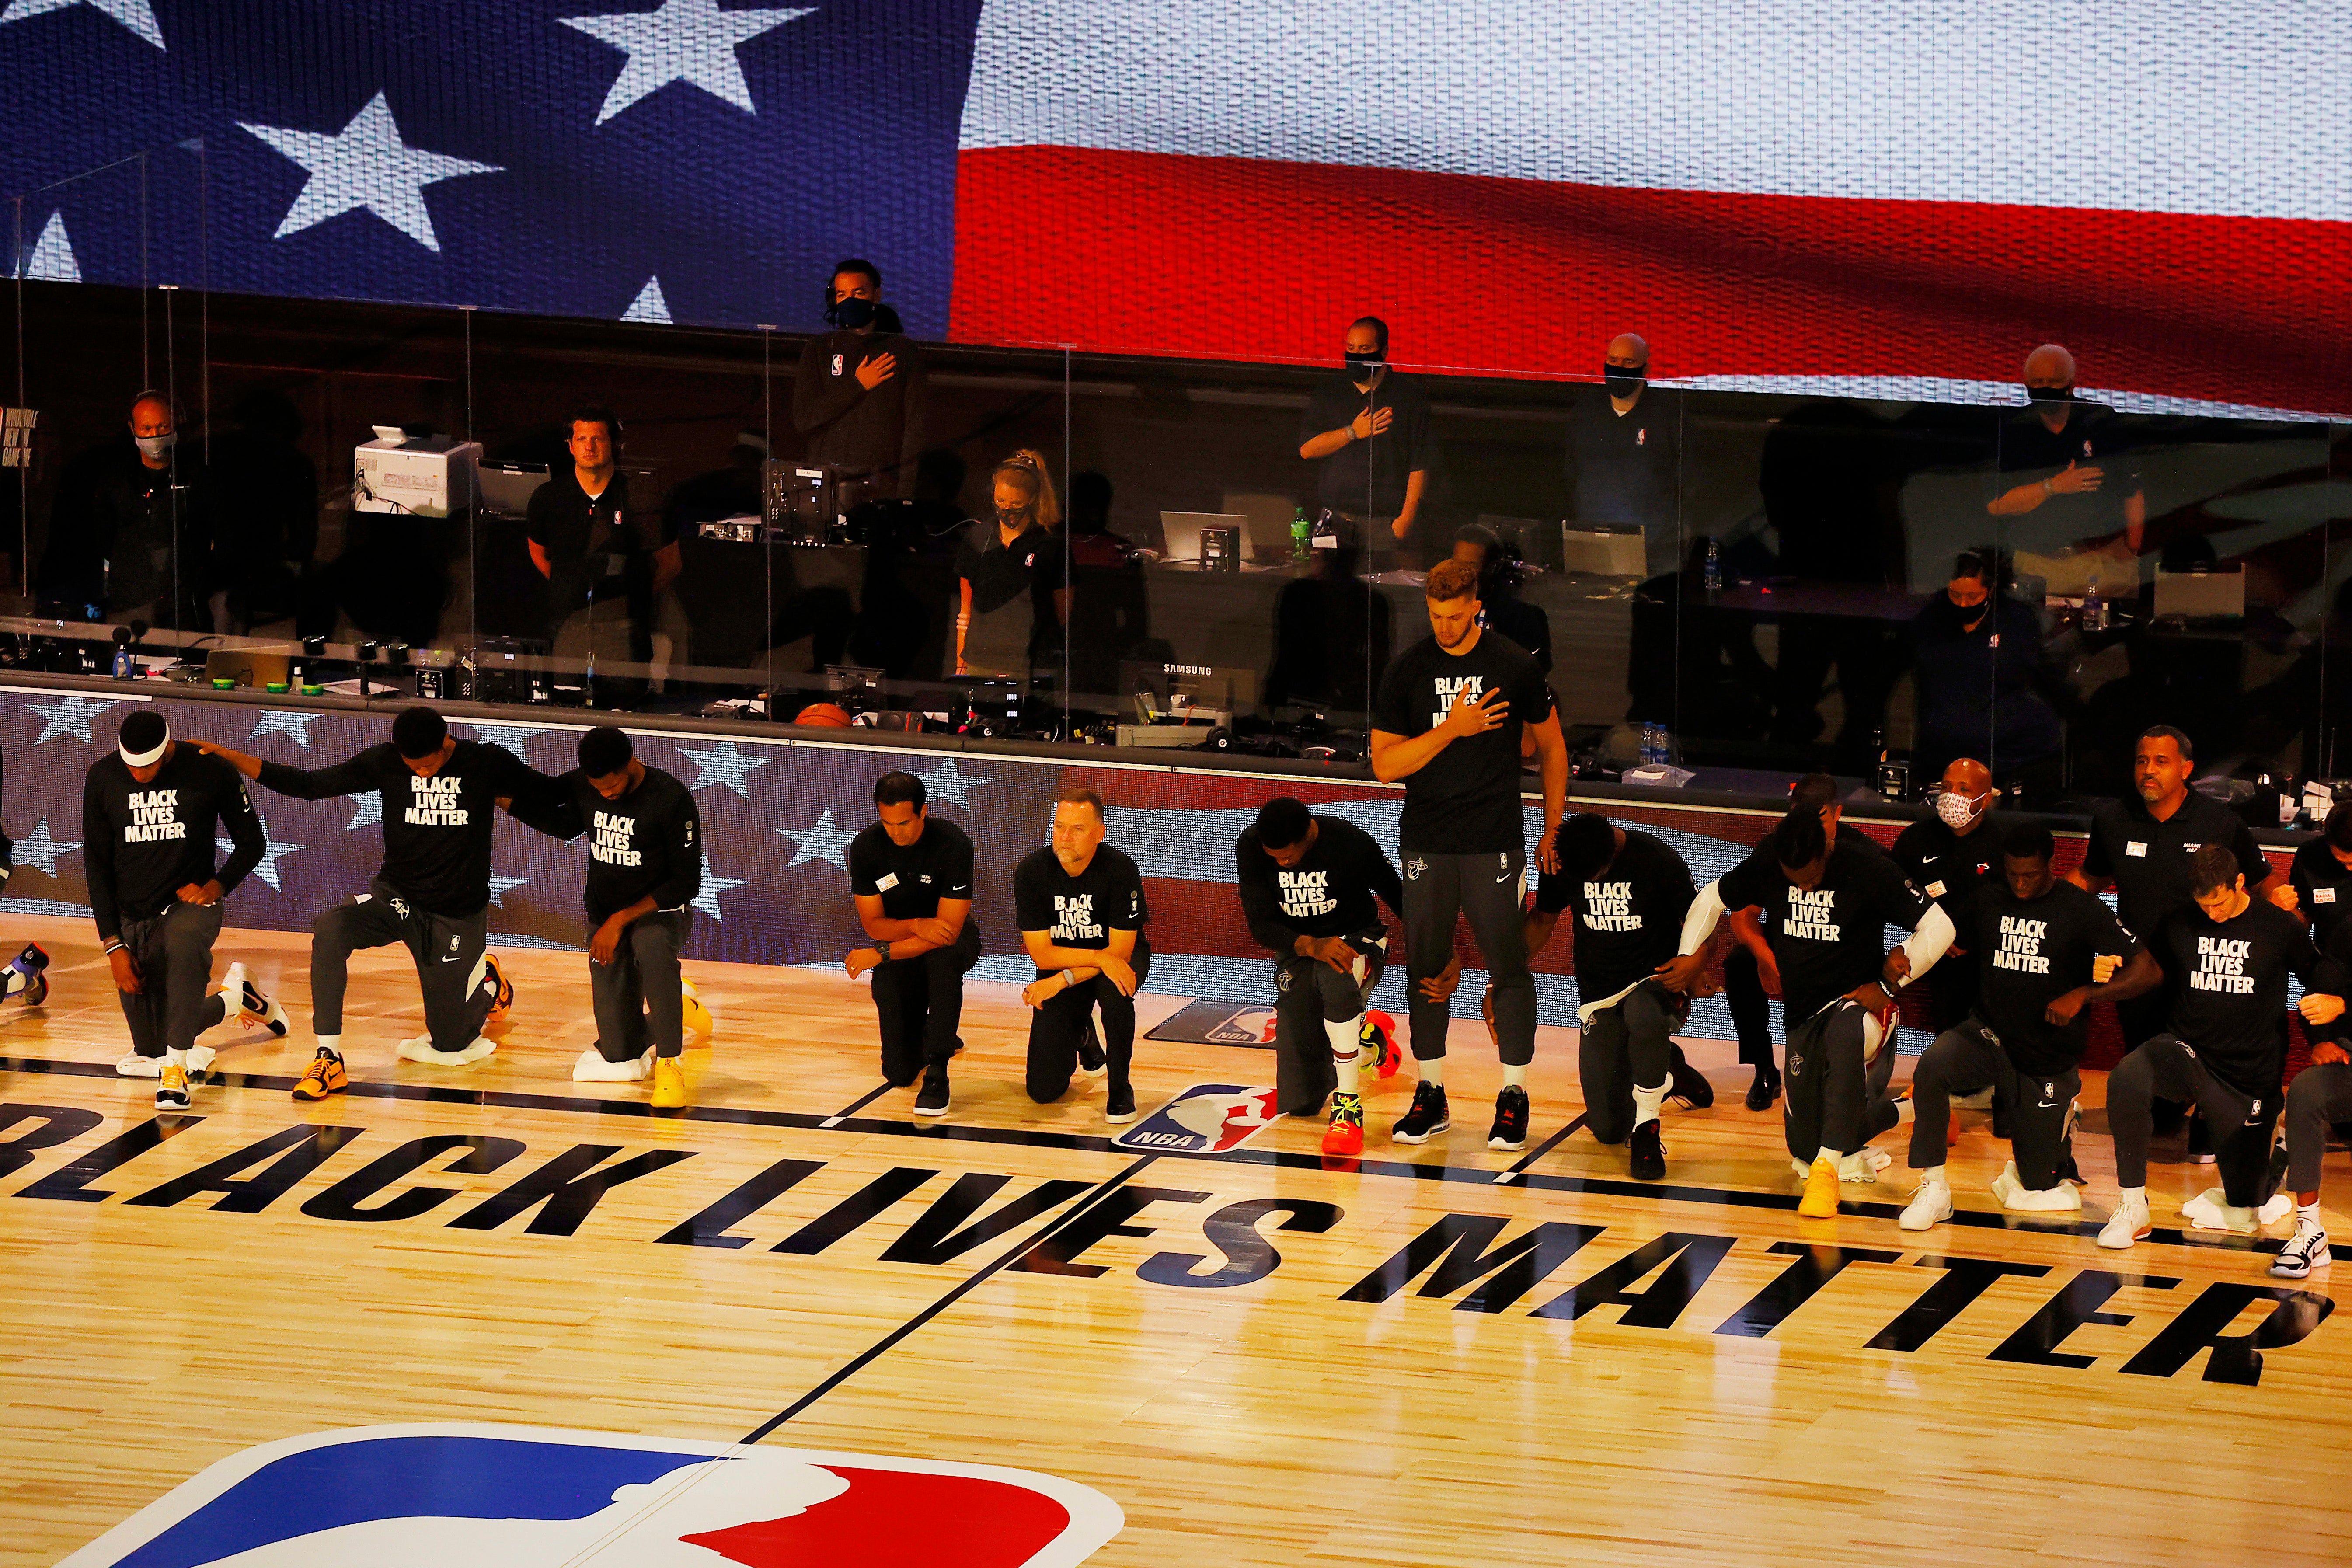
(831, 713)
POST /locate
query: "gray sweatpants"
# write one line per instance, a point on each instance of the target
(2169, 1068)
(1628, 1044)
(174, 955)
(1834, 1099)
(2318, 1097)
(1308, 993)
(1968, 1057)
(637, 996)
(448, 954)
(1487, 889)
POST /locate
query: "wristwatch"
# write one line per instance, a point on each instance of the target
(884, 949)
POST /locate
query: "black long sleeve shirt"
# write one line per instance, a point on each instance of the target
(645, 844)
(141, 842)
(436, 830)
(1328, 893)
(877, 432)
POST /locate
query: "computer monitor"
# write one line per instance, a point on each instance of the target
(1181, 532)
(506, 488)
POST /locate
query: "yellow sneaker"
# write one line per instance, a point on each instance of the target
(669, 1083)
(696, 1017)
(172, 1087)
(1821, 1199)
(325, 1076)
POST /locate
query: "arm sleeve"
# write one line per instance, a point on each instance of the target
(1927, 941)
(554, 812)
(683, 848)
(955, 871)
(820, 397)
(2250, 858)
(913, 412)
(1699, 922)
(2095, 853)
(1311, 422)
(1031, 911)
(246, 839)
(535, 515)
(526, 786)
(1136, 915)
(1381, 873)
(1261, 910)
(356, 776)
(1392, 712)
(98, 859)
(1532, 703)
(1421, 434)
(861, 871)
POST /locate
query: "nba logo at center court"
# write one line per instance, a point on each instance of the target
(531, 1497)
(1206, 1118)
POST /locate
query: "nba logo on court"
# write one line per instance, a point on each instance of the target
(1206, 1118)
(528, 1496)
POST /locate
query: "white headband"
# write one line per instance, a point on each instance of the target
(146, 758)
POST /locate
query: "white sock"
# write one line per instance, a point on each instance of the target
(2132, 1195)
(1347, 1054)
(176, 1055)
(1432, 1071)
(1826, 1153)
(1646, 1103)
(332, 1042)
(1934, 1174)
(1904, 1111)
(2308, 1214)
(1515, 1076)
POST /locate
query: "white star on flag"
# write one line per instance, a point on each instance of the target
(724, 764)
(713, 884)
(944, 785)
(271, 854)
(369, 814)
(684, 40)
(52, 260)
(365, 165)
(649, 305)
(37, 848)
(822, 841)
(68, 717)
(136, 14)
(500, 886)
(284, 722)
(515, 738)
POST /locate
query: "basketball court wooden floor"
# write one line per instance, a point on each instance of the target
(1258, 1360)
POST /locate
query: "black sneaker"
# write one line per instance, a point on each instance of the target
(1118, 1106)
(2201, 1142)
(1090, 1052)
(1427, 1116)
(933, 1099)
(1764, 1090)
(1649, 1152)
(1510, 1129)
(1687, 1086)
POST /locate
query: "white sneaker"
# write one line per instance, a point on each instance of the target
(2020, 1199)
(592, 1067)
(237, 986)
(1980, 1101)
(133, 1065)
(1862, 1166)
(2128, 1223)
(2211, 1210)
(1930, 1206)
(420, 1050)
(200, 1061)
(2305, 1250)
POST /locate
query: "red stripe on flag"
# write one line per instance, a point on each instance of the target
(1244, 259)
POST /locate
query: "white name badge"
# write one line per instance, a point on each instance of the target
(2323, 895)
(2190, 848)
(2137, 850)
(1934, 889)
(885, 882)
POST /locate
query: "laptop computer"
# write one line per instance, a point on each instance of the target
(1180, 532)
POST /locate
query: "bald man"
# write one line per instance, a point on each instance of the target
(1624, 453)
(2063, 462)
(130, 535)
(1949, 858)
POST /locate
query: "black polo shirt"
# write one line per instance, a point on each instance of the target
(2323, 890)
(600, 545)
(2150, 859)
(2092, 437)
(1367, 478)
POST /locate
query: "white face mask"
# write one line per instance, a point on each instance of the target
(1957, 810)
(156, 445)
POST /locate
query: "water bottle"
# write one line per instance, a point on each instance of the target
(1302, 534)
(2094, 608)
(1714, 567)
(1653, 747)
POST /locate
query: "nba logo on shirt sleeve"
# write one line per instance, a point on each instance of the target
(528, 1496)
(836, 364)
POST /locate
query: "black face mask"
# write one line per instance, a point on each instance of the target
(1363, 365)
(2050, 393)
(1011, 517)
(1622, 381)
(851, 313)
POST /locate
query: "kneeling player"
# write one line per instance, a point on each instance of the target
(910, 877)
(644, 868)
(148, 813)
(1080, 907)
(2229, 956)
(1826, 910)
(1308, 887)
(2043, 950)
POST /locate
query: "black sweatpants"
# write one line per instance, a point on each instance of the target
(1968, 1057)
(2319, 1097)
(1488, 889)
(174, 955)
(1834, 1099)
(918, 1002)
(1056, 1029)
(1628, 1044)
(1308, 993)
(637, 997)
(1951, 994)
(2169, 1067)
(1751, 1008)
(448, 954)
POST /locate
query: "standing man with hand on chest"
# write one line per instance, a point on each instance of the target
(859, 392)
(1367, 429)
(644, 868)
(1448, 722)
(911, 874)
(149, 813)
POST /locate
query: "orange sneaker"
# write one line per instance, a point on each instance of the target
(1821, 1199)
(504, 1002)
(1345, 1136)
(1380, 1037)
(669, 1083)
(326, 1075)
(172, 1087)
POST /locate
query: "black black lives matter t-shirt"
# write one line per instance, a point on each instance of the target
(647, 843)
(436, 830)
(2228, 993)
(1084, 909)
(1629, 919)
(141, 842)
(2150, 859)
(1328, 893)
(1465, 799)
(2323, 891)
(1833, 937)
(2028, 953)
(911, 878)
